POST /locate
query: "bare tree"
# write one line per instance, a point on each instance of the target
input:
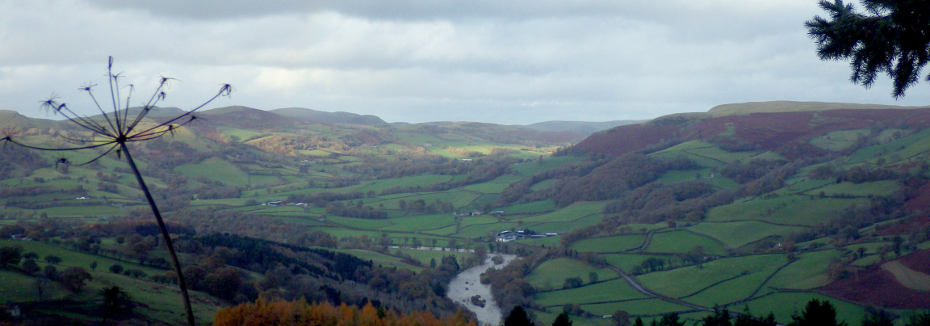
(114, 131)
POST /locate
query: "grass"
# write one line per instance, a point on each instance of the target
(420, 222)
(685, 281)
(544, 242)
(481, 230)
(532, 207)
(410, 181)
(17, 287)
(738, 288)
(783, 305)
(907, 277)
(865, 189)
(703, 153)
(612, 290)
(609, 244)
(567, 226)
(738, 234)
(71, 258)
(425, 256)
(458, 198)
(906, 148)
(552, 273)
(627, 262)
(808, 272)
(547, 318)
(216, 169)
(162, 302)
(839, 140)
(683, 242)
(676, 176)
(794, 210)
(635, 307)
(543, 185)
(495, 186)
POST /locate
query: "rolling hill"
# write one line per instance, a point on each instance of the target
(735, 208)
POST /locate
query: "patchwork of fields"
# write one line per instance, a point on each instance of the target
(747, 227)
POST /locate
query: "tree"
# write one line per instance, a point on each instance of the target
(816, 313)
(116, 268)
(73, 278)
(721, 317)
(562, 320)
(10, 255)
(877, 317)
(572, 282)
(30, 267)
(517, 317)
(116, 302)
(670, 319)
(621, 318)
(52, 259)
(114, 131)
(891, 37)
(919, 319)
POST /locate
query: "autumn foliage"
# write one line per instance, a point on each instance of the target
(301, 313)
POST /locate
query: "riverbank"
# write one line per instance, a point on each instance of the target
(468, 284)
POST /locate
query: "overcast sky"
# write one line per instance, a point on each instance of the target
(416, 61)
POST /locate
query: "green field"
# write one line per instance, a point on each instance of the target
(609, 244)
(784, 305)
(635, 307)
(216, 169)
(552, 273)
(808, 272)
(627, 262)
(839, 140)
(738, 234)
(733, 253)
(683, 242)
(787, 210)
(614, 290)
(687, 281)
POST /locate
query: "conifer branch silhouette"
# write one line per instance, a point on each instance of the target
(114, 131)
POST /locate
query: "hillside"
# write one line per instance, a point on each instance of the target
(678, 214)
(329, 117)
(787, 133)
(793, 106)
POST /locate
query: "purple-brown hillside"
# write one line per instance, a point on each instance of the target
(783, 132)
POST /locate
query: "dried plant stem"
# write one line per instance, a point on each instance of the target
(164, 233)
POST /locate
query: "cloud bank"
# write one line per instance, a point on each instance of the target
(416, 61)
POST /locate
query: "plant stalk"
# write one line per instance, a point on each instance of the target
(164, 232)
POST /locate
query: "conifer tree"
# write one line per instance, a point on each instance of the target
(890, 37)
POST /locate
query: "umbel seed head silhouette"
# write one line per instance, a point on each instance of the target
(114, 131)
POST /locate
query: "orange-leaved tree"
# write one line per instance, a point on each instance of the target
(301, 313)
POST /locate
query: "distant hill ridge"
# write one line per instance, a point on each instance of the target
(783, 127)
(795, 106)
(338, 117)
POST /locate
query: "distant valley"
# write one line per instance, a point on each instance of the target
(744, 206)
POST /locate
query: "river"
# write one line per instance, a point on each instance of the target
(468, 284)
